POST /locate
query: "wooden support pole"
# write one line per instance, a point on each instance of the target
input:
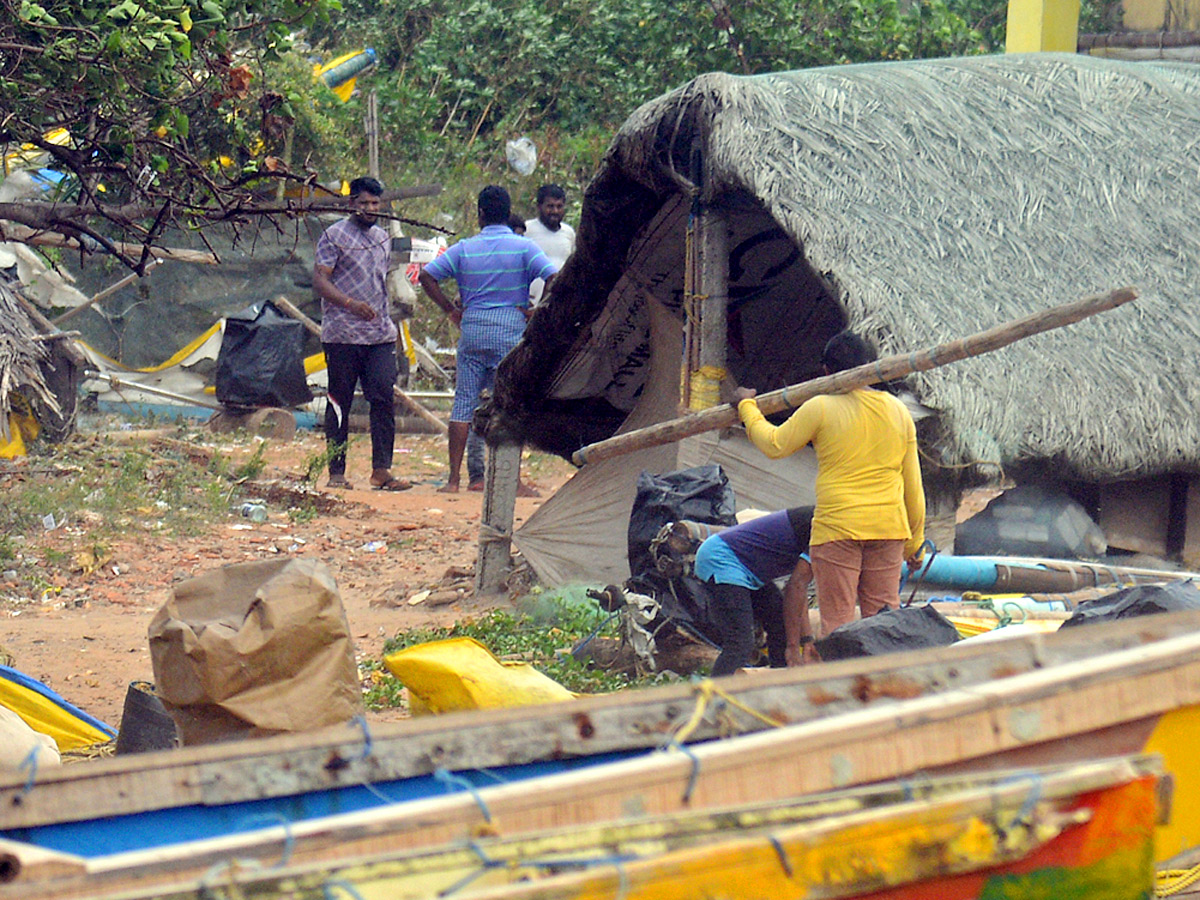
(107, 292)
(287, 307)
(47, 327)
(888, 369)
(495, 530)
(714, 295)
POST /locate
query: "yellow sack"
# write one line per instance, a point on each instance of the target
(461, 673)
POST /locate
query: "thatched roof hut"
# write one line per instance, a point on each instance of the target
(916, 202)
(37, 376)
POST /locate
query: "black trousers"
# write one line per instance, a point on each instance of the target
(734, 611)
(374, 366)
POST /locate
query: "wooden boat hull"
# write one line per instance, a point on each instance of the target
(1144, 696)
(152, 799)
(1072, 827)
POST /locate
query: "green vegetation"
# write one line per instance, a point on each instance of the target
(185, 112)
(99, 491)
(542, 632)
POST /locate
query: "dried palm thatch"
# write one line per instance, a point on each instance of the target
(21, 358)
(923, 201)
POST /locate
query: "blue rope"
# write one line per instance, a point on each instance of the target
(595, 631)
(1032, 798)
(452, 781)
(329, 894)
(782, 854)
(289, 839)
(687, 751)
(368, 741)
(30, 761)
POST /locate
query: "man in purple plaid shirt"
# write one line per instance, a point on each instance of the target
(357, 333)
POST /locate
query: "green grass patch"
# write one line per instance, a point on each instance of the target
(541, 631)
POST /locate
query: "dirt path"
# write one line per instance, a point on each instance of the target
(86, 638)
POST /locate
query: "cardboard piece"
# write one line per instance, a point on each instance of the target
(255, 649)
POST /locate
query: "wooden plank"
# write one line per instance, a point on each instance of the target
(287, 765)
(1044, 710)
(27, 863)
(887, 369)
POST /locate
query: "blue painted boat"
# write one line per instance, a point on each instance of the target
(153, 799)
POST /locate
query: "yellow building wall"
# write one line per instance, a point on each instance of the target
(1155, 15)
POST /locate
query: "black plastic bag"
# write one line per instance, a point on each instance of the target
(889, 631)
(701, 494)
(1142, 600)
(261, 361)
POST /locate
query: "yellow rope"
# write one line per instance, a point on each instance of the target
(1169, 882)
(705, 691)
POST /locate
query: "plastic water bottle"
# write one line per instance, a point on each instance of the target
(255, 512)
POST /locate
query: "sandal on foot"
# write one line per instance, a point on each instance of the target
(340, 484)
(476, 486)
(393, 484)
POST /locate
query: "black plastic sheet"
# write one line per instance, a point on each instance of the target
(1142, 600)
(889, 631)
(261, 361)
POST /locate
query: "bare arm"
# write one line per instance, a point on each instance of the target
(327, 291)
(796, 624)
(434, 290)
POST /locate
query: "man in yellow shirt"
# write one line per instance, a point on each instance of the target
(870, 513)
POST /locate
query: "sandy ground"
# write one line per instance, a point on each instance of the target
(87, 637)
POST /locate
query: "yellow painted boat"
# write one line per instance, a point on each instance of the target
(1124, 688)
(1076, 827)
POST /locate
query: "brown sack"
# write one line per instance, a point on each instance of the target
(255, 649)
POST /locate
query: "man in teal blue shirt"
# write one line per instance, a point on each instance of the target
(493, 270)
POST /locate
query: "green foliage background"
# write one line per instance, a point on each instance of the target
(190, 107)
(458, 78)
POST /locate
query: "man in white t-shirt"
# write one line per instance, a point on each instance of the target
(550, 232)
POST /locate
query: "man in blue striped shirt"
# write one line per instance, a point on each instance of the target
(493, 270)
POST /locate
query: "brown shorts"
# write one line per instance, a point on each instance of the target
(849, 573)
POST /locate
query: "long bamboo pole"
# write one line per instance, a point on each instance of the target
(888, 369)
(286, 306)
(107, 292)
(117, 383)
